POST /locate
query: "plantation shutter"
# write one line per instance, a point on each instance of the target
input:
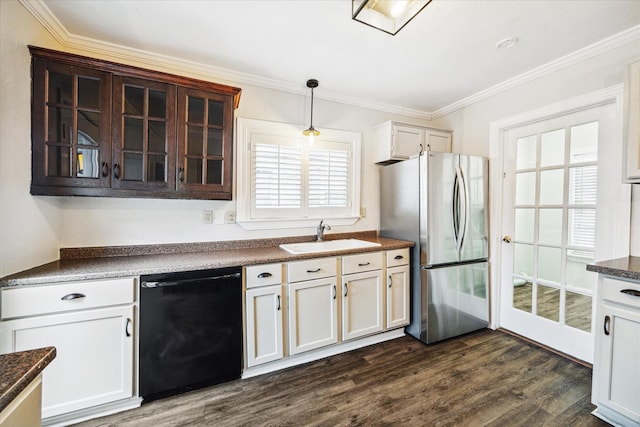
(329, 177)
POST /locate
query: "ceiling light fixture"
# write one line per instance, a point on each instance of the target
(389, 16)
(311, 132)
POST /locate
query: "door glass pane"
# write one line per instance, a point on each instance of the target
(60, 89)
(194, 171)
(525, 222)
(157, 136)
(134, 100)
(552, 148)
(577, 311)
(214, 142)
(584, 143)
(548, 302)
(87, 163)
(156, 168)
(551, 187)
(133, 133)
(215, 113)
(88, 93)
(60, 124)
(582, 228)
(522, 294)
(526, 153)
(526, 188)
(214, 171)
(196, 110)
(550, 228)
(577, 274)
(583, 182)
(58, 161)
(157, 104)
(549, 264)
(523, 259)
(88, 128)
(132, 167)
(194, 140)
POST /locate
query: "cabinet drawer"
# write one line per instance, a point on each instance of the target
(263, 275)
(35, 300)
(612, 290)
(397, 257)
(361, 262)
(318, 268)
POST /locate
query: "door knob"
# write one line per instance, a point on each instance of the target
(506, 239)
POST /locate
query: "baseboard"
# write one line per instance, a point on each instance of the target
(91, 413)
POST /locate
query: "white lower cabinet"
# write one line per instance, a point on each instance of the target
(616, 371)
(263, 314)
(397, 296)
(362, 298)
(94, 344)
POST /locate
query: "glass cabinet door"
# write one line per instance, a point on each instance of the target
(70, 125)
(143, 132)
(205, 122)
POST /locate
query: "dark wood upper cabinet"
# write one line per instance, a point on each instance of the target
(105, 129)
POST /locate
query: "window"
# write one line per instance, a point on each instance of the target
(284, 178)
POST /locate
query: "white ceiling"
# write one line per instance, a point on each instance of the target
(446, 54)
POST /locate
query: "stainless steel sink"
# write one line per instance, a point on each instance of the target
(326, 246)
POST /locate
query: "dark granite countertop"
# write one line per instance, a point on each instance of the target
(19, 369)
(103, 263)
(624, 268)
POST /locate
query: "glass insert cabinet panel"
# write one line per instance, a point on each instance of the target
(204, 141)
(143, 157)
(70, 117)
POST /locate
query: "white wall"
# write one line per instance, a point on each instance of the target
(34, 228)
(471, 124)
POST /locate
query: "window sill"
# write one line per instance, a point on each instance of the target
(281, 223)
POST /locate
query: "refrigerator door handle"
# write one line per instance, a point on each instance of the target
(454, 209)
(459, 208)
(464, 200)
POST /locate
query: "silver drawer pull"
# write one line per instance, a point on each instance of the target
(631, 292)
(314, 271)
(363, 264)
(71, 297)
(398, 257)
(264, 275)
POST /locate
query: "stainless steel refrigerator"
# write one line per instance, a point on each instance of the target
(440, 201)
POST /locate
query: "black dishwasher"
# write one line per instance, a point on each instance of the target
(190, 331)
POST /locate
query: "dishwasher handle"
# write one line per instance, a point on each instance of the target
(165, 283)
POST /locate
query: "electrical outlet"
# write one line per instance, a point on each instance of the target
(363, 212)
(207, 217)
(231, 217)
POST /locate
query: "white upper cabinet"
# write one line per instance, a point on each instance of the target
(395, 141)
(632, 122)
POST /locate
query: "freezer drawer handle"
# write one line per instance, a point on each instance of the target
(264, 275)
(363, 264)
(398, 257)
(73, 296)
(631, 292)
(607, 322)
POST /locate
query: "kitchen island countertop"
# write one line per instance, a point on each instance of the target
(624, 268)
(20, 369)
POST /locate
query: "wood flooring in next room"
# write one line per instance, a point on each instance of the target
(486, 378)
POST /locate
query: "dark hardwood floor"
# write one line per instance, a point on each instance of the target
(487, 378)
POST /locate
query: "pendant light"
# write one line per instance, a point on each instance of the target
(311, 132)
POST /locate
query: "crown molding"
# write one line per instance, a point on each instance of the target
(119, 53)
(617, 40)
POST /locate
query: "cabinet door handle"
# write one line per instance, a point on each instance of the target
(390, 281)
(398, 257)
(363, 264)
(127, 328)
(181, 174)
(278, 307)
(73, 296)
(631, 292)
(607, 324)
(346, 289)
(105, 169)
(314, 271)
(116, 171)
(335, 292)
(264, 275)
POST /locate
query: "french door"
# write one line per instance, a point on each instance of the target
(553, 182)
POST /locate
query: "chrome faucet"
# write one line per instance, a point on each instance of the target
(321, 229)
